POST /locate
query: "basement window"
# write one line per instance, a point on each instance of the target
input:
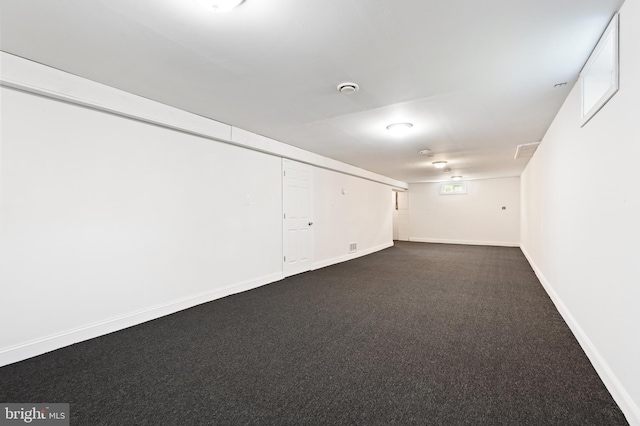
(599, 77)
(453, 188)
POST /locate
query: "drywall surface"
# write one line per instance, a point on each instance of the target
(476, 217)
(580, 228)
(115, 210)
(349, 210)
(103, 216)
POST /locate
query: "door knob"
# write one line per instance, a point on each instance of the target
(310, 223)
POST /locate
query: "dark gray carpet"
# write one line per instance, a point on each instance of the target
(415, 334)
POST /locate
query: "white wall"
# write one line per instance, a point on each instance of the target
(472, 218)
(363, 215)
(580, 223)
(108, 221)
(104, 217)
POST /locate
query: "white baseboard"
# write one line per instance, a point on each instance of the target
(465, 242)
(617, 391)
(36, 347)
(344, 258)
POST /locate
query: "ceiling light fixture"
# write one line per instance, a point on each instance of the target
(223, 6)
(456, 177)
(426, 152)
(399, 128)
(348, 88)
(439, 164)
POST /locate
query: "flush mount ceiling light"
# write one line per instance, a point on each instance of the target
(223, 6)
(456, 177)
(348, 88)
(399, 128)
(439, 164)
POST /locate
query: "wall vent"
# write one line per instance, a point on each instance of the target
(526, 150)
(353, 247)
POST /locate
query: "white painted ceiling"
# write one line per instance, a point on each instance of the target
(476, 78)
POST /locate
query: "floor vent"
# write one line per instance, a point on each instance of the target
(353, 247)
(526, 150)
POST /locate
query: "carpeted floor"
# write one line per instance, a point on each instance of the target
(415, 334)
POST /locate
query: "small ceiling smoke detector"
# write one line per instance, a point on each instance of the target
(348, 88)
(456, 177)
(560, 84)
(439, 164)
(426, 152)
(399, 128)
(447, 170)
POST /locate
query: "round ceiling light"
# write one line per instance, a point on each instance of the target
(223, 6)
(399, 128)
(439, 164)
(348, 88)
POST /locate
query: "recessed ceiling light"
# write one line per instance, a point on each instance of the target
(348, 88)
(399, 128)
(439, 164)
(456, 177)
(222, 6)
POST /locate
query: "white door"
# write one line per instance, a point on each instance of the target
(297, 203)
